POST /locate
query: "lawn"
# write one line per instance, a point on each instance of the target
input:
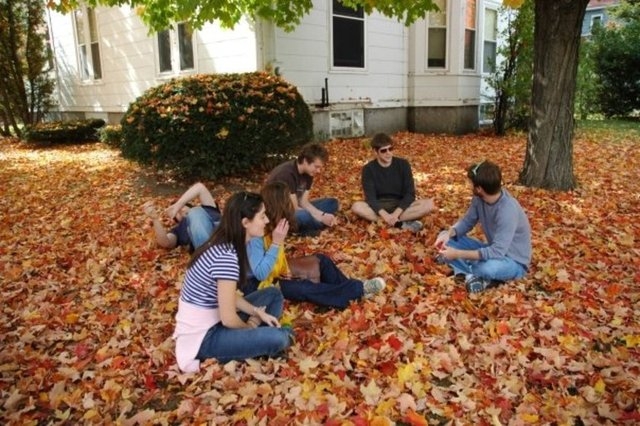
(88, 300)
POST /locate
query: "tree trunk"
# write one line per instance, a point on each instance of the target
(548, 161)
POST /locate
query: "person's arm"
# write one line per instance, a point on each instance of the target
(327, 219)
(408, 186)
(230, 302)
(262, 261)
(164, 239)
(369, 188)
(198, 190)
(500, 234)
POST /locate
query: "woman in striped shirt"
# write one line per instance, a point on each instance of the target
(213, 321)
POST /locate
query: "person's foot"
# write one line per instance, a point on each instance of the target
(373, 286)
(412, 225)
(475, 284)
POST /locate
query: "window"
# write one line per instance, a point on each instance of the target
(596, 20)
(348, 36)
(175, 49)
(88, 44)
(437, 36)
(490, 40)
(470, 35)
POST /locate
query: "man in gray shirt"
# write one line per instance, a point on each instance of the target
(507, 253)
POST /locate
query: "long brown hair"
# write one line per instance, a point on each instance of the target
(240, 205)
(278, 205)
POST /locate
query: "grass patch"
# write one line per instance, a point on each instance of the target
(627, 127)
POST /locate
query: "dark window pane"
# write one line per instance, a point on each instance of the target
(489, 64)
(95, 59)
(469, 49)
(164, 51)
(348, 42)
(186, 47)
(437, 48)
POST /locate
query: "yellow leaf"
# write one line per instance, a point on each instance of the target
(223, 133)
(632, 341)
(600, 386)
(530, 418)
(307, 364)
(71, 318)
(405, 373)
(371, 392)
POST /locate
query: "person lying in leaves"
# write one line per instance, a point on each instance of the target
(213, 321)
(507, 253)
(193, 225)
(269, 264)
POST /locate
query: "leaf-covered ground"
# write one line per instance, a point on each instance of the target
(88, 302)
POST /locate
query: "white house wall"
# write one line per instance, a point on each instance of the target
(304, 58)
(393, 83)
(129, 59)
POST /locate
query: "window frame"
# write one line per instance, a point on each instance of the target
(175, 54)
(596, 16)
(493, 41)
(352, 17)
(444, 27)
(472, 50)
(88, 56)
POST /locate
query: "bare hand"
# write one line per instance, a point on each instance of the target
(390, 219)
(150, 210)
(448, 253)
(172, 211)
(280, 231)
(328, 219)
(442, 240)
(266, 318)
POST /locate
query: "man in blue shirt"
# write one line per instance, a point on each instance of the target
(507, 253)
(193, 225)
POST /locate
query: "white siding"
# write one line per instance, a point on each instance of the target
(304, 58)
(129, 59)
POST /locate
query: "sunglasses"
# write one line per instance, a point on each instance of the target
(385, 150)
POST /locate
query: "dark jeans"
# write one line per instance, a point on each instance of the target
(334, 290)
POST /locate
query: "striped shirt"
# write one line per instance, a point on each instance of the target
(200, 286)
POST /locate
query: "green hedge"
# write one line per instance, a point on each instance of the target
(76, 131)
(212, 125)
(111, 135)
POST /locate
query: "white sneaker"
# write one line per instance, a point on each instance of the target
(373, 286)
(412, 225)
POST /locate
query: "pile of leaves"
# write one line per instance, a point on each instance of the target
(88, 301)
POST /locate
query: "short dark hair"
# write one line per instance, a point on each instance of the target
(311, 152)
(380, 140)
(486, 175)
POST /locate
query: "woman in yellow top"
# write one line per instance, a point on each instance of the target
(268, 263)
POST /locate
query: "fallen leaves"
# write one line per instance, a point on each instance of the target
(89, 302)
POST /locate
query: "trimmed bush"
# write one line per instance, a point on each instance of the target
(77, 131)
(212, 125)
(111, 135)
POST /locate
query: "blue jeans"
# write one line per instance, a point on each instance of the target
(307, 223)
(227, 344)
(199, 226)
(503, 269)
(334, 290)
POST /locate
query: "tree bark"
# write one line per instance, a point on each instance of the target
(549, 157)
